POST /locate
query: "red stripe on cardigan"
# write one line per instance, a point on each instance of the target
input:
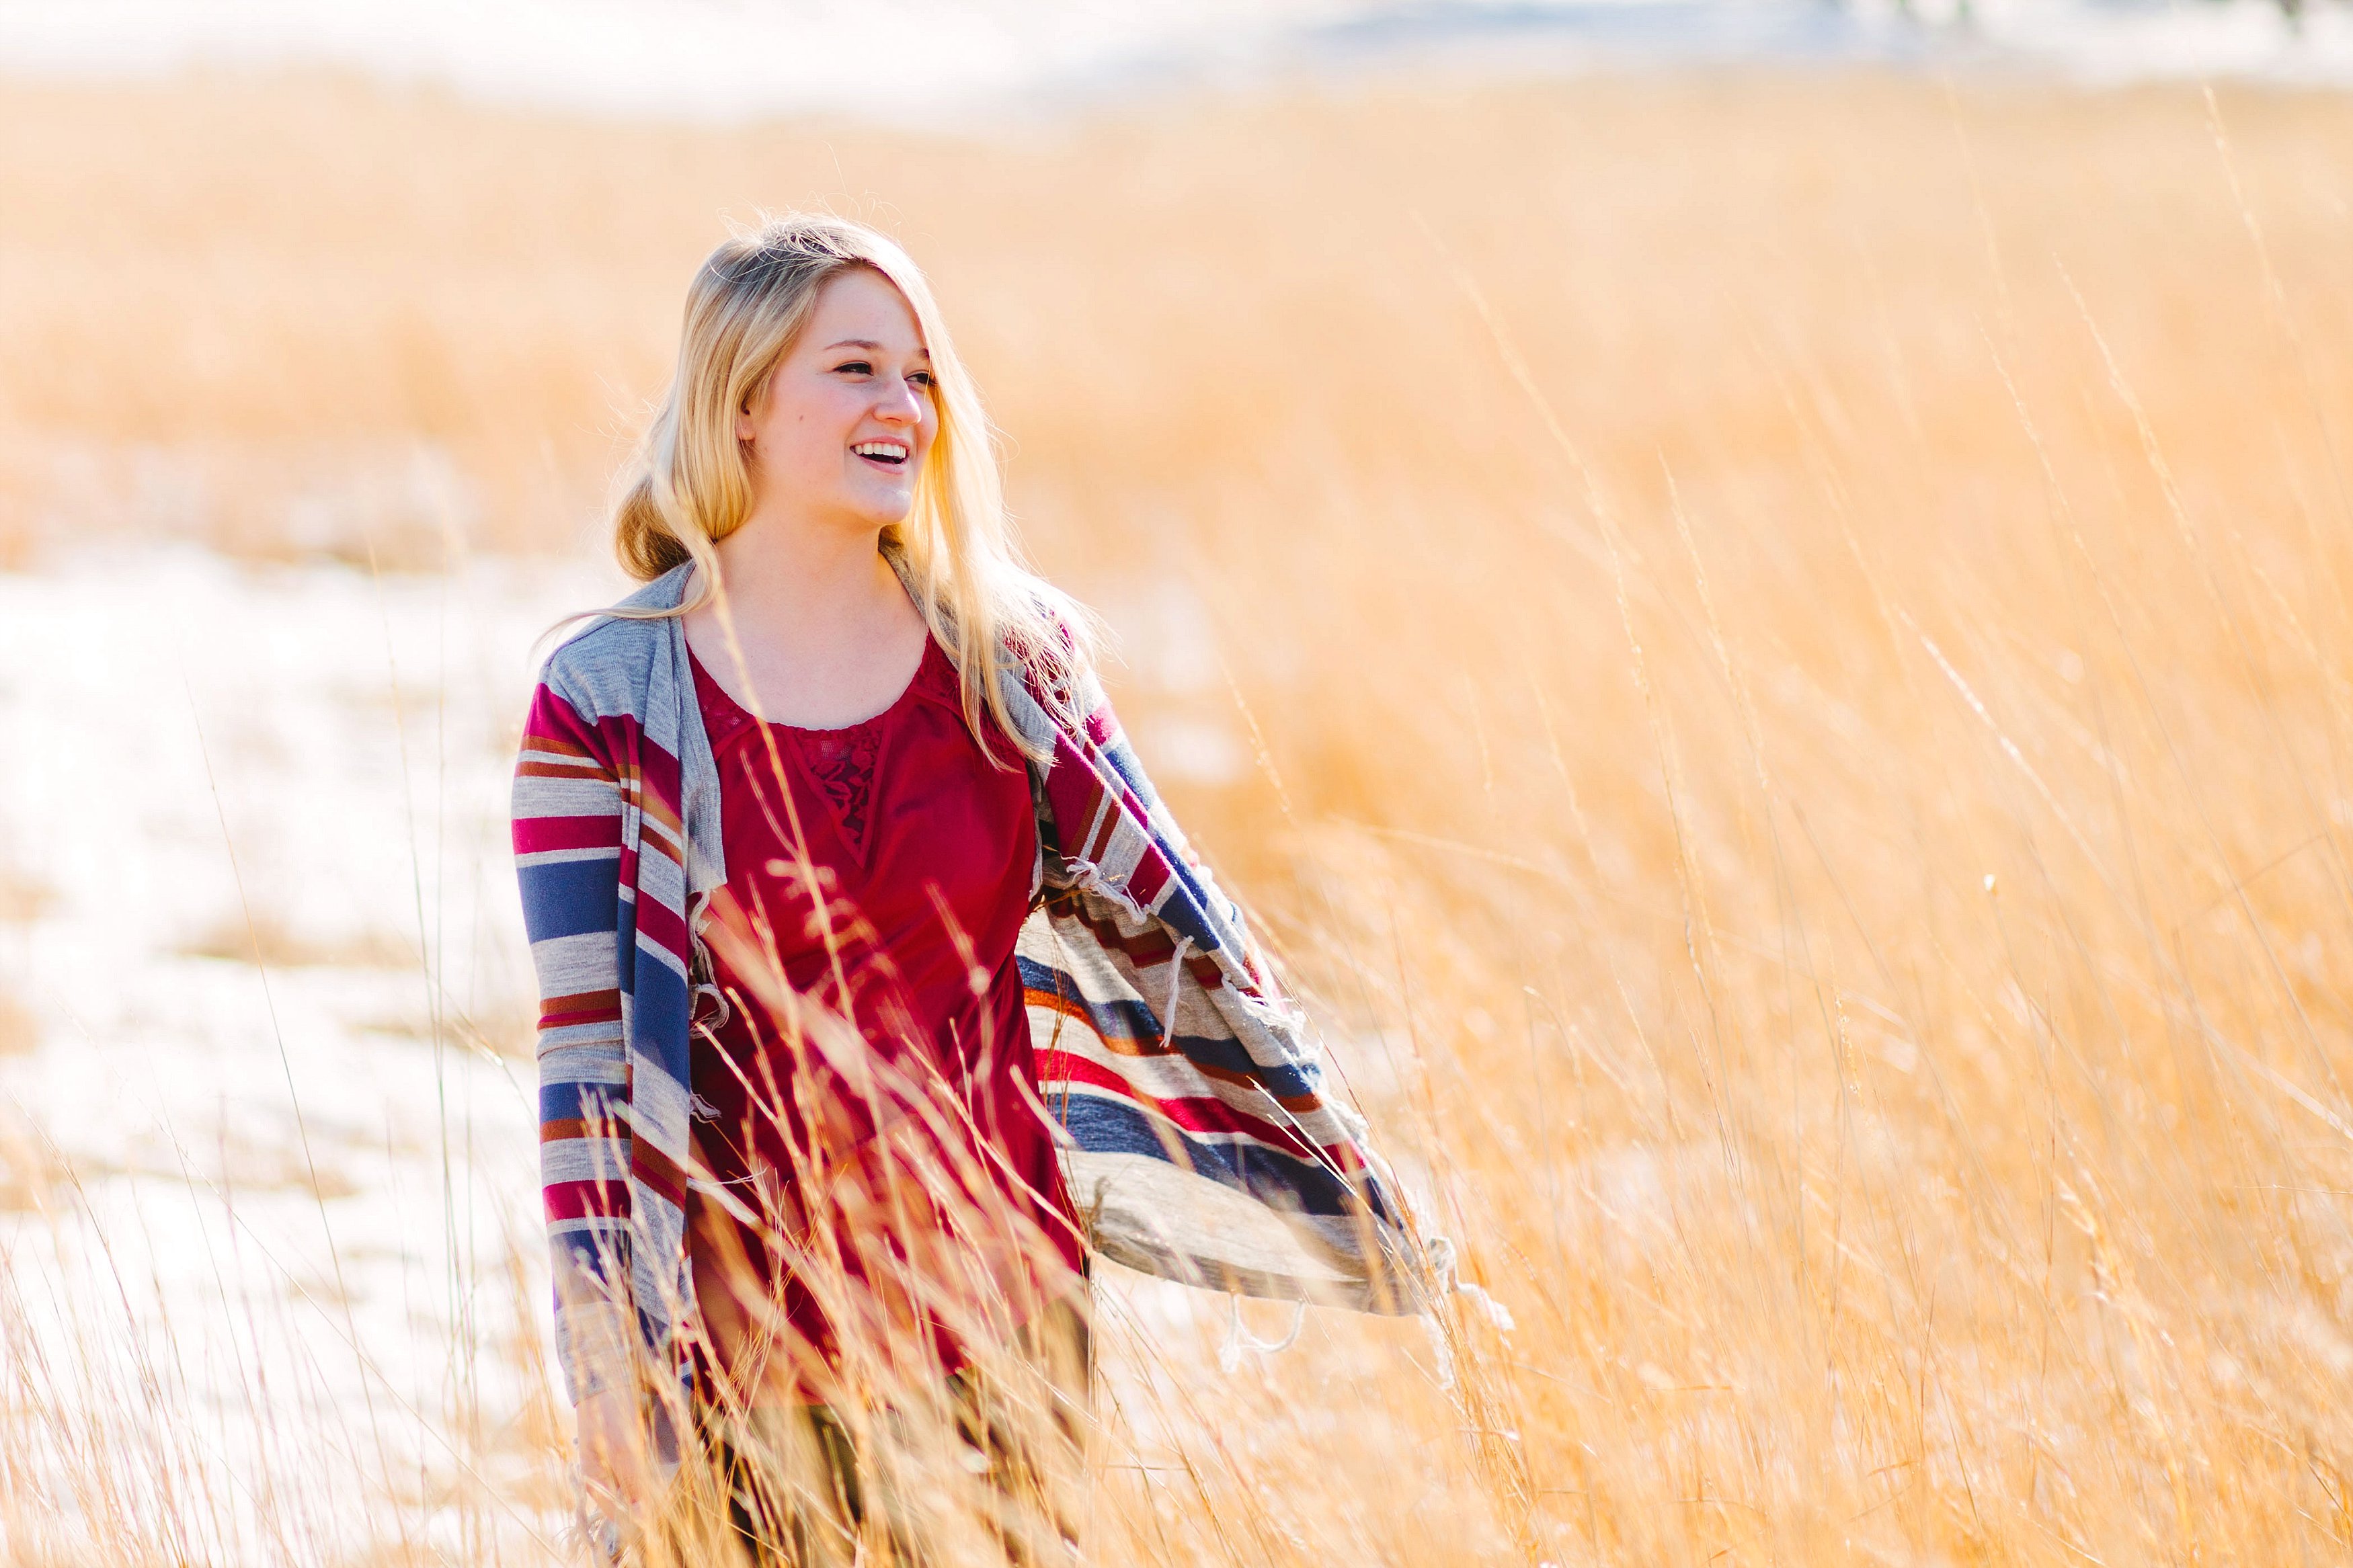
(1194, 1115)
(584, 1008)
(538, 835)
(594, 1199)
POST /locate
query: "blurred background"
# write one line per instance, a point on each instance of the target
(1752, 592)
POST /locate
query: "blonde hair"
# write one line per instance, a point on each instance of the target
(692, 485)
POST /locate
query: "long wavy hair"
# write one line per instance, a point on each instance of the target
(690, 483)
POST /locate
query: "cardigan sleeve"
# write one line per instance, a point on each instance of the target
(1203, 1141)
(567, 822)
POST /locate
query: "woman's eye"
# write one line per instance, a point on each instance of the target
(922, 378)
(859, 366)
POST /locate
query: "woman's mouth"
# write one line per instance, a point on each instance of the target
(882, 454)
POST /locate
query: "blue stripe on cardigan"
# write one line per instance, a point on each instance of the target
(661, 1008)
(1132, 1020)
(1106, 1126)
(562, 1099)
(569, 898)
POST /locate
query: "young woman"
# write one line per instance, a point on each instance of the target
(878, 990)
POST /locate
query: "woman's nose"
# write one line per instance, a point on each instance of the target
(899, 406)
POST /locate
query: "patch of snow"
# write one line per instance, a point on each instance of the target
(298, 1191)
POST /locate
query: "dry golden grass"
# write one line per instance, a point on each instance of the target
(1796, 641)
(268, 939)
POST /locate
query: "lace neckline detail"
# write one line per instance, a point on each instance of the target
(842, 763)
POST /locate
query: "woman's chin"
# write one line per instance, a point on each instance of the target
(883, 512)
(867, 513)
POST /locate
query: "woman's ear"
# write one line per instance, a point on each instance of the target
(746, 424)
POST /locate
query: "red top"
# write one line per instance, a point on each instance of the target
(926, 851)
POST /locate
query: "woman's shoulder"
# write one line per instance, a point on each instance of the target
(610, 659)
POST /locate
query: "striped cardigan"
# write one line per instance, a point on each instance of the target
(1195, 1130)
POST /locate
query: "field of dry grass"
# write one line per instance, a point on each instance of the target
(1775, 656)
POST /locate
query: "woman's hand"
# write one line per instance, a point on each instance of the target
(616, 1459)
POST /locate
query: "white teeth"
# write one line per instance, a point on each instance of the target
(881, 449)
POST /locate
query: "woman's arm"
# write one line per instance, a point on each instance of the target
(567, 818)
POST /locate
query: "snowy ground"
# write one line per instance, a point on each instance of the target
(303, 1181)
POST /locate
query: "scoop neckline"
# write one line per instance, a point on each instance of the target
(924, 668)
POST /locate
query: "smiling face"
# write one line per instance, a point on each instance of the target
(847, 418)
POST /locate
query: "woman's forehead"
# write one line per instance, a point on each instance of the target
(861, 306)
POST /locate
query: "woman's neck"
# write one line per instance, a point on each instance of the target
(821, 580)
(823, 632)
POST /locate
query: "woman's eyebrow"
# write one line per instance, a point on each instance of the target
(867, 344)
